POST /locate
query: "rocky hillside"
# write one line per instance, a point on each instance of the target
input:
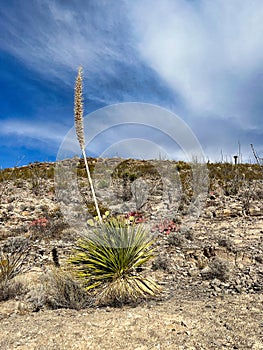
(208, 224)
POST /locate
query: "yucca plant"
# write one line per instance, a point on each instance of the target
(78, 111)
(109, 261)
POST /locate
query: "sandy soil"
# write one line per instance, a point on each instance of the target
(234, 322)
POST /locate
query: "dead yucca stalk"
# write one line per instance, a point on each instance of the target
(78, 111)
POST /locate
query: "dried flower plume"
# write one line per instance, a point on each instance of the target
(78, 112)
(78, 109)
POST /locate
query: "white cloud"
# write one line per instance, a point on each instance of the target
(37, 131)
(208, 51)
(54, 38)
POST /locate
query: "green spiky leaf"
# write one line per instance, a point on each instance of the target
(108, 258)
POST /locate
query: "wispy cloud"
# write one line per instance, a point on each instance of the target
(37, 131)
(208, 52)
(55, 37)
(211, 52)
(24, 141)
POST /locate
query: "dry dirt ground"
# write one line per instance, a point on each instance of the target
(192, 317)
(234, 322)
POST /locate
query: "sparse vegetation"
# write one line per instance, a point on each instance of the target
(226, 242)
(11, 289)
(181, 264)
(232, 177)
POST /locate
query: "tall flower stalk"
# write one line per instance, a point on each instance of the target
(78, 112)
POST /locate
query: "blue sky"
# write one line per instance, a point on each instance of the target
(200, 59)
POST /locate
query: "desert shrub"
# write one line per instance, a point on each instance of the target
(136, 180)
(5, 176)
(219, 269)
(13, 258)
(36, 174)
(109, 261)
(176, 239)
(132, 169)
(11, 289)
(161, 263)
(226, 242)
(139, 190)
(187, 232)
(48, 227)
(103, 183)
(81, 169)
(186, 179)
(12, 264)
(232, 177)
(59, 289)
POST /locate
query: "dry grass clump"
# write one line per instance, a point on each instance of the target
(218, 268)
(12, 289)
(176, 239)
(59, 289)
(161, 263)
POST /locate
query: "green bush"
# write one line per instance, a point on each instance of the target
(110, 260)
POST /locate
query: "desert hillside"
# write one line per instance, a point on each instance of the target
(207, 223)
